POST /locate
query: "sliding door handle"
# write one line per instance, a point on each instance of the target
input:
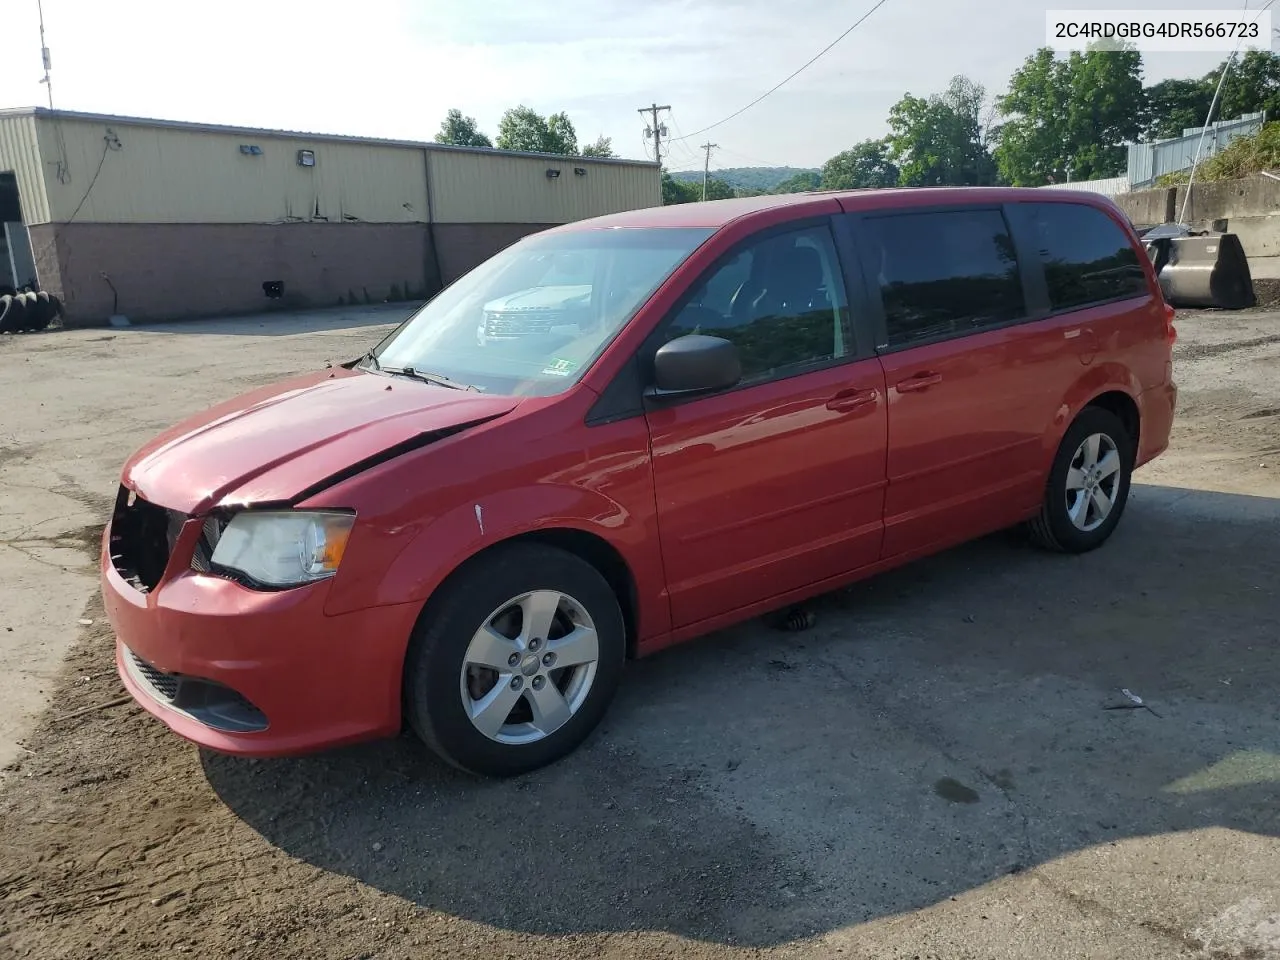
(921, 381)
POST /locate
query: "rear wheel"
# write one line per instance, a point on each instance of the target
(1088, 484)
(515, 662)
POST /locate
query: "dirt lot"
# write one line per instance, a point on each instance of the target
(931, 772)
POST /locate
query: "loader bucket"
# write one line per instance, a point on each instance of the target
(1205, 271)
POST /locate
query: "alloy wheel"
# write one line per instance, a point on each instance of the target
(1093, 481)
(529, 667)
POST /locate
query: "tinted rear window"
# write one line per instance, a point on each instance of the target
(1087, 257)
(944, 274)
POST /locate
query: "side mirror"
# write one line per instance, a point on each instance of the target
(695, 364)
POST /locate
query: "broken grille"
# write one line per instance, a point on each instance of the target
(141, 540)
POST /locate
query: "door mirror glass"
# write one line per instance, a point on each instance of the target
(696, 363)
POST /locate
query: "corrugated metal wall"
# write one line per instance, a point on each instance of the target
(155, 174)
(20, 155)
(113, 170)
(1150, 161)
(480, 187)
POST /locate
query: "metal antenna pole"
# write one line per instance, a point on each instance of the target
(44, 55)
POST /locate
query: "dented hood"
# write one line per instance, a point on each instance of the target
(275, 443)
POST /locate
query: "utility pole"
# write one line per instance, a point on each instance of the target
(655, 130)
(706, 166)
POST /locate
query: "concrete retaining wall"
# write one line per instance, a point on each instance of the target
(1249, 208)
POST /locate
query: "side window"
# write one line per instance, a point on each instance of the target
(1087, 257)
(944, 274)
(780, 300)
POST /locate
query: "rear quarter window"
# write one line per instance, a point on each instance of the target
(1087, 257)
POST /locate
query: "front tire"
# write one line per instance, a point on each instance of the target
(1088, 484)
(515, 661)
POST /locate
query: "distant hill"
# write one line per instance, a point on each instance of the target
(746, 178)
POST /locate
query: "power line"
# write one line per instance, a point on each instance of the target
(824, 50)
(689, 155)
(756, 160)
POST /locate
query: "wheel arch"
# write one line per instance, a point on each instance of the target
(1125, 408)
(607, 560)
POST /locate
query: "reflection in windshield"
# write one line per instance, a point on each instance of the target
(531, 320)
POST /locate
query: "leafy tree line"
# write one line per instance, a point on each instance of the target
(1061, 118)
(523, 128)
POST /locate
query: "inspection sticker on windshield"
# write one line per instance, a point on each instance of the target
(559, 368)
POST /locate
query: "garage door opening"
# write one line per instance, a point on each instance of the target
(17, 264)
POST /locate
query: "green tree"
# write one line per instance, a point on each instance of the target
(1174, 105)
(865, 165)
(717, 189)
(1033, 148)
(1105, 110)
(799, 183)
(603, 147)
(941, 141)
(1252, 85)
(690, 191)
(679, 191)
(523, 128)
(1070, 117)
(460, 130)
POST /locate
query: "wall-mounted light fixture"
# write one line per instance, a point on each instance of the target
(251, 149)
(552, 173)
(579, 171)
(306, 158)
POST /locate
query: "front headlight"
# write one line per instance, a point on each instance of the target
(283, 548)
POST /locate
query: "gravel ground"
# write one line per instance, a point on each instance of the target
(932, 771)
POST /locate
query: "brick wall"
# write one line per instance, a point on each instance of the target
(463, 246)
(176, 271)
(172, 271)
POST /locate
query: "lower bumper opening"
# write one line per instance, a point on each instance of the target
(213, 704)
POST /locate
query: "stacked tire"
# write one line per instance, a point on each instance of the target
(22, 312)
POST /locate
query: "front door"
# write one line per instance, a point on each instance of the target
(778, 483)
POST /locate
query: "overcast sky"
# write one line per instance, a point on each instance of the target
(392, 68)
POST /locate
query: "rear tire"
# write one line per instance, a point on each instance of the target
(15, 318)
(1088, 484)
(552, 629)
(44, 311)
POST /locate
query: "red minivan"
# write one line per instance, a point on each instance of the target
(623, 433)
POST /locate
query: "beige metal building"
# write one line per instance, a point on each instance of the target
(157, 219)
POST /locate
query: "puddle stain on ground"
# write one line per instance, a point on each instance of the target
(954, 791)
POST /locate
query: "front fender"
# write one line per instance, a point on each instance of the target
(459, 534)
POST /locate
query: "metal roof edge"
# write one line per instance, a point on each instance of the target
(46, 114)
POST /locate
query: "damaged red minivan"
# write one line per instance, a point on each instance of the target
(622, 433)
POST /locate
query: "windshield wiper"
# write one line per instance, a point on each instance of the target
(439, 379)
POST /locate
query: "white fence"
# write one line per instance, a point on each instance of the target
(1110, 187)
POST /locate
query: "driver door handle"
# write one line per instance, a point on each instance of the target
(921, 381)
(847, 400)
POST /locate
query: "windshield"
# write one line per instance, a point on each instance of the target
(532, 319)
